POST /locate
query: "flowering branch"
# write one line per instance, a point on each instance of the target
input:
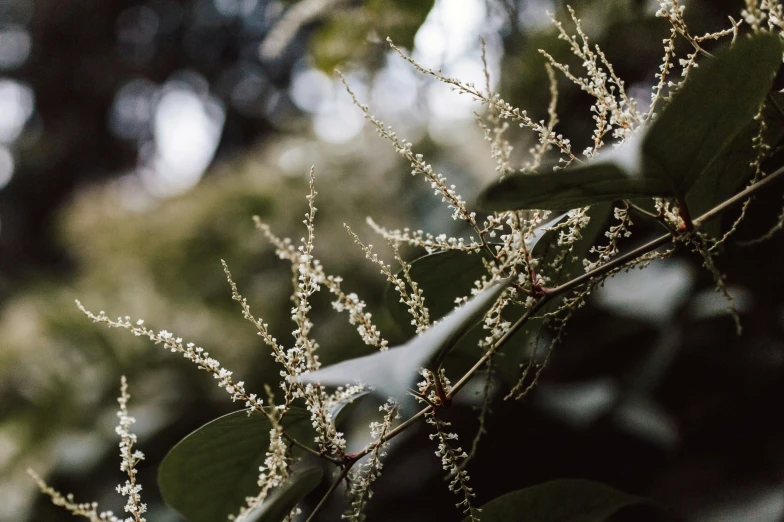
(593, 275)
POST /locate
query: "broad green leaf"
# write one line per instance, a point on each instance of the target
(717, 101)
(613, 175)
(565, 500)
(208, 474)
(282, 500)
(570, 188)
(729, 171)
(391, 373)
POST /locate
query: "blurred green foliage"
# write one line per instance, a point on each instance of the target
(356, 35)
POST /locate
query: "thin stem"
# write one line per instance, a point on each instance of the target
(608, 267)
(310, 450)
(640, 210)
(739, 197)
(332, 488)
(442, 396)
(683, 211)
(659, 218)
(392, 433)
(497, 346)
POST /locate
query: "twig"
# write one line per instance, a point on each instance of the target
(332, 488)
(310, 450)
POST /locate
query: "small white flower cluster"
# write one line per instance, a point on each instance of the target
(130, 458)
(451, 459)
(503, 109)
(768, 11)
(368, 470)
(544, 145)
(275, 468)
(410, 293)
(452, 456)
(495, 325)
(418, 165)
(664, 73)
(668, 211)
(570, 229)
(500, 148)
(272, 474)
(673, 11)
(88, 510)
(305, 285)
(425, 240)
(356, 313)
(613, 109)
(190, 351)
(130, 489)
(344, 395)
(513, 254)
(330, 441)
(345, 302)
(615, 233)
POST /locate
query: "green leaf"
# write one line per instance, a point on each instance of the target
(717, 101)
(602, 180)
(391, 373)
(565, 500)
(729, 171)
(282, 500)
(208, 474)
